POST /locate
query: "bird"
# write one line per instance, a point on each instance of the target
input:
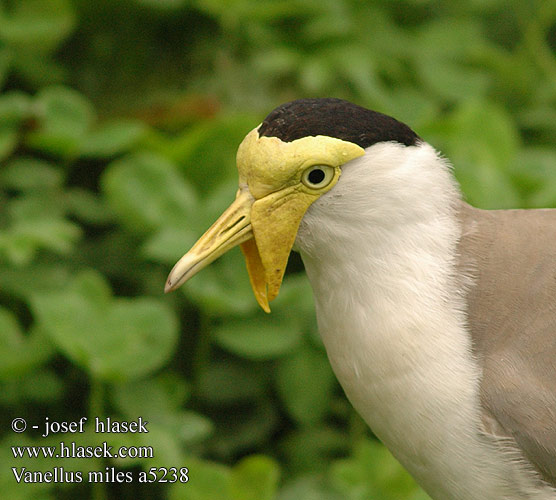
(438, 318)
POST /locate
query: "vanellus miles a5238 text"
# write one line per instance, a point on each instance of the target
(439, 319)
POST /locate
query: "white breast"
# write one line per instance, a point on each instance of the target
(379, 250)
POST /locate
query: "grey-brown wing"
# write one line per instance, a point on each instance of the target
(511, 300)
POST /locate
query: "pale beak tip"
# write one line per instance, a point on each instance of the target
(169, 286)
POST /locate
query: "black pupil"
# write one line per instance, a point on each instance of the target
(316, 176)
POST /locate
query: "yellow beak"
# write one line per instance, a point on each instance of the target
(232, 228)
(265, 229)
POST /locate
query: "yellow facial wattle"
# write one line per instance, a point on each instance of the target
(278, 181)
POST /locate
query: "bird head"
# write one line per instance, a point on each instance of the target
(285, 164)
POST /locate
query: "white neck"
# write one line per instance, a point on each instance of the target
(380, 251)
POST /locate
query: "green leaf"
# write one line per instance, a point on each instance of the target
(37, 70)
(19, 353)
(159, 401)
(87, 207)
(258, 338)
(208, 481)
(481, 140)
(311, 448)
(169, 244)
(22, 282)
(64, 110)
(175, 433)
(373, 472)
(148, 193)
(27, 174)
(533, 171)
(446, 39)
(156, 397)
(25, 238)
(64, 117)
(491, 133)
(223, 287)
(207, 151)
(36, 222)
(112, 139)
(255, 478)
(191, 427)
(305, 384)
(454, 82)
(29, 491)
(224, 383)
(164, 4)
(117, 339)
(38, 385)
(308, 488)
(6, 56)
(8, 141)
(140, 336)
(37, 24)
(255, 423)
(15, 107)
(36, 205)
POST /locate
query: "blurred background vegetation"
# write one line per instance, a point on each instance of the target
(119, 122)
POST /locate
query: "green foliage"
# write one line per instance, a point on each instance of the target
(306, 402)
(119, 339)
(119, 123)
(373, 473)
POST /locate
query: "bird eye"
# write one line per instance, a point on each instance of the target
(317, 176)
